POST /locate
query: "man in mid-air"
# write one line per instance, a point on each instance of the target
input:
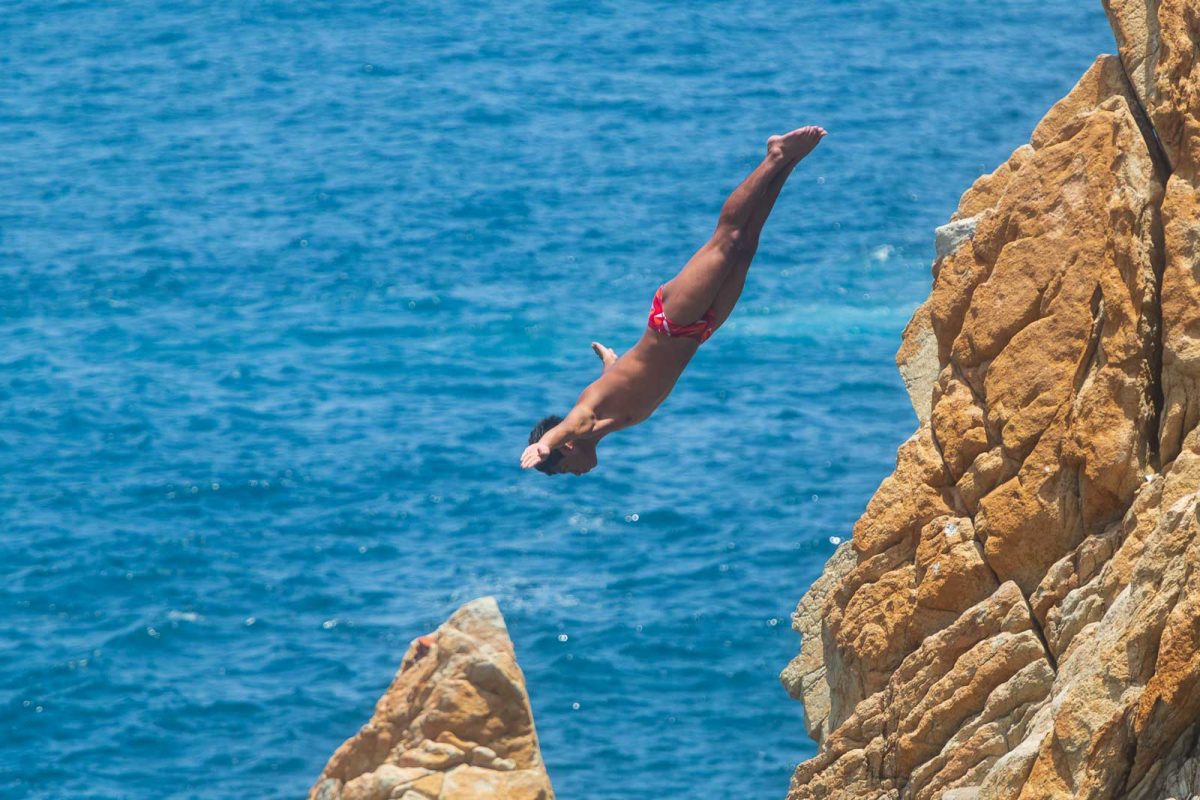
(686, 311)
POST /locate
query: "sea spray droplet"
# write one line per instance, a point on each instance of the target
(574, 707)
(562, 637)
(835, 540)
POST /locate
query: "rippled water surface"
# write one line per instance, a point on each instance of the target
(283, 286)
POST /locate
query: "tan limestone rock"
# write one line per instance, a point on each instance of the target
(952, 574)
(1019, 616)
(804, 677)
(1181, 314)
(426, 786)
(1157, 41)
(917, 360)
(911, 496)
(474, 783)
(986, 472)
(971, 678)
(958, 424)
(1102, 739)
(459, 695)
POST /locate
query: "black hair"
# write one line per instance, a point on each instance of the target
(539, 430)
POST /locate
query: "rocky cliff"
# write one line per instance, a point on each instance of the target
(1018, 612)
(454, 725)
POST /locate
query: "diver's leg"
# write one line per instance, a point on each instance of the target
(731, 289)
(688, 295)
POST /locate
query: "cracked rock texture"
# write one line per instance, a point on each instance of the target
(1018, 614)
(454, 725)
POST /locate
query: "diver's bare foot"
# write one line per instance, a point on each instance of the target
(606, 354)
(797, 144)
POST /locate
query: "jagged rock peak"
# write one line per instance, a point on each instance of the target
(455, 724)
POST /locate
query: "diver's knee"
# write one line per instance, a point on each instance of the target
(730, 239)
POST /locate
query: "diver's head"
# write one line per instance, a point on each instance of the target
(574, 458)
(549, 466)
(578, 458)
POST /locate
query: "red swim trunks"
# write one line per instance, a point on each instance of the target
(699, 330)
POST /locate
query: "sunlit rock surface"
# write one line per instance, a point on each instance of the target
(1019, 616)
(454, 725)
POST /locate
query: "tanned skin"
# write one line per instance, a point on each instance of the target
(633, 385)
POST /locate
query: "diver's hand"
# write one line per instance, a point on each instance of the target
(606, 354)
(535, 454)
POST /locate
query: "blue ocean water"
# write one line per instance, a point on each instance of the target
(284, 285)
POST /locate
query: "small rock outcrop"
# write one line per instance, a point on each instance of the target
(1018, 612)
(454, 725)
